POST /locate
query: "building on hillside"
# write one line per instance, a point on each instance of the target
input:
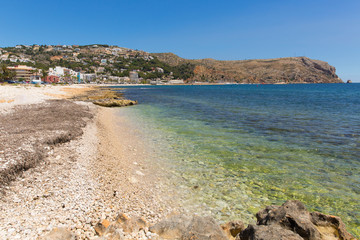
(24, 73)
(52, 79)
(63, 73)
(134, 76)
(176, 81)
(89, 77)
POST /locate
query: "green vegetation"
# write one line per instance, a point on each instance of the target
(6, 74)
(88, 59)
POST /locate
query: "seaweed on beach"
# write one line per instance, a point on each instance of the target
(27, 132)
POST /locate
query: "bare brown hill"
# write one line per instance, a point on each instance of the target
(278, 70)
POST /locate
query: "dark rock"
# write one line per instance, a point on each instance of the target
(233, 228)
(59, 234)
(348, 81)
(293, 216)
(273, 232)
(183, 227)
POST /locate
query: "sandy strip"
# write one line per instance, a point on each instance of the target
(13, 95)
(125, 169)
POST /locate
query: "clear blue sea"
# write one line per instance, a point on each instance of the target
(239, 148)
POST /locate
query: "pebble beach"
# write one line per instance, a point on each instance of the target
(78, 183)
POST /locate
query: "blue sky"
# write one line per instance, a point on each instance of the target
(327, 30)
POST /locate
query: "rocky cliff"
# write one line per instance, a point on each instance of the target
(279, 70)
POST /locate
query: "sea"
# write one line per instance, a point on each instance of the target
(235, 149)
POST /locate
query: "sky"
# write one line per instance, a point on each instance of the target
(327, 30)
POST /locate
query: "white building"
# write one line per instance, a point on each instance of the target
(62, 71)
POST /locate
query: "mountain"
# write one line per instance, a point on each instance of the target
(278, 70)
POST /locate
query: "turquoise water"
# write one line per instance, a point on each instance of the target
(238, 148)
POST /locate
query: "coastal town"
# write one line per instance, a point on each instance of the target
(86, 64)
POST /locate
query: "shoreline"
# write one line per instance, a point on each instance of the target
(92, 179)
(78, 183)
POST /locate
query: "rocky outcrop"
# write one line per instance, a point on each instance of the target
(104, 97)
(279, 70)
(292, 221)
(115, 102)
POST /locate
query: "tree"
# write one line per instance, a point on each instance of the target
(44, 74)
(6, 74)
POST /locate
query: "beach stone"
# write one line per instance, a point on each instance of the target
(101, 227)
(59, 234)
(233, 228)
(184, 227)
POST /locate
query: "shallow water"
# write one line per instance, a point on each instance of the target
(238, 148)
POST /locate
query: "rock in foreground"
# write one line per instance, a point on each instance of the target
(292, 221)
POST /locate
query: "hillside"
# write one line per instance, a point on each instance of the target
(279, 70)
(113, 62)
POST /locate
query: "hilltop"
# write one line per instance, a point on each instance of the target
(108, 63)
(278, 70)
